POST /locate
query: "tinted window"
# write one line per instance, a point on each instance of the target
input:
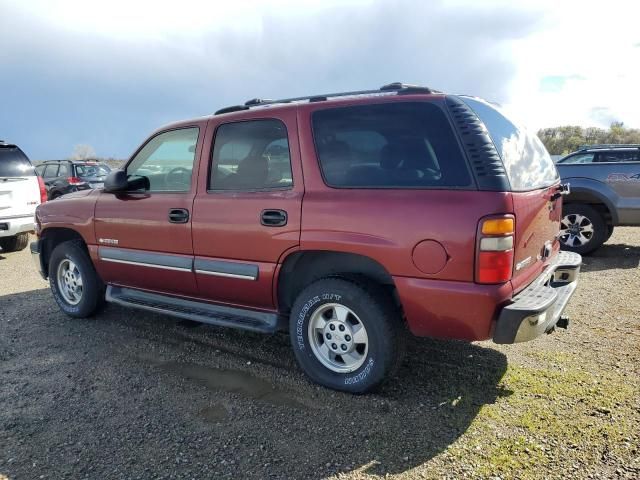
(527, 162)
(578, 158)
(167, 160)
(392, 145)
(251, 155)
(618, 156)
(14, 163)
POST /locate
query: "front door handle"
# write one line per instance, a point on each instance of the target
(178, 215)
(273, 218)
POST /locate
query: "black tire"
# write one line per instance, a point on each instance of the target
(15, 243)
(374, 308)
(92, 296)
(609, 232)
(600, 228)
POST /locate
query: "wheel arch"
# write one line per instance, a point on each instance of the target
(595, 198)
(301, 268)
(54, 236)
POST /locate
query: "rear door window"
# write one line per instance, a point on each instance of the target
(14, 163)
(390, 145)
(526, 160)
(251, 156)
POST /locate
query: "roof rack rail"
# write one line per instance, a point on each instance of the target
(399, 87)
(608, 145)
(234, 108)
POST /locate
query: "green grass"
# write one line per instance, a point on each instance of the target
(554, 416)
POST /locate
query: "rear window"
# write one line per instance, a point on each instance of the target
(14, 163)
(391, 145)
(527, 162)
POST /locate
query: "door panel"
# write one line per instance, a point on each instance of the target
(230, 235)
(142, 243)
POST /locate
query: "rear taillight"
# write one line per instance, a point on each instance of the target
(494, 250)
(43, 190)
(74, 181)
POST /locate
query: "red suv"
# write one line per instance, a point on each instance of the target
(345, 219)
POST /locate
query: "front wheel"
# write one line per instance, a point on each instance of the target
(582, 228)
(75, 285)
(345, 336)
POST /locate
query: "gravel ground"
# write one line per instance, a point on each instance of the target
(136, 395)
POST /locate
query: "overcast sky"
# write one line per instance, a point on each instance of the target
(107, 73)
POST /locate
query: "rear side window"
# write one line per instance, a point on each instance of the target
(63, 170)
(51, 170)
(618, 156)
(391, 145)
(525, 159)
(251, 155)
(14, 163)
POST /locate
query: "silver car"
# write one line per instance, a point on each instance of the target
(605, 193)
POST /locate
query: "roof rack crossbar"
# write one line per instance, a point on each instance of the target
(399, 87)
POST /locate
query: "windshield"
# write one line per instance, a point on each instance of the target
(14, 163)
(92, 170)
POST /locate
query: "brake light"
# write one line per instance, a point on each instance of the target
(494, 250)
(74, 181)
(43, 190)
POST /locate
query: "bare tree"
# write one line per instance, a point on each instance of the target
(83, 152)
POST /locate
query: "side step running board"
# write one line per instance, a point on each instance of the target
(197, 311)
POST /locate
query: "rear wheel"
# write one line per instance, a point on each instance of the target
(346, 335)
(75, 285)
(15, 243)
(609, 232)
(582, 228)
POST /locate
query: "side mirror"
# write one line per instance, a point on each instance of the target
(116, 181)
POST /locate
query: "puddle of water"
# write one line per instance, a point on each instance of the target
(214, 413)
(233, 381)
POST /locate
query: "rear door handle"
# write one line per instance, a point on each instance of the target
(178, 215)
(273, 218)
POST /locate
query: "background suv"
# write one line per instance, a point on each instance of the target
(21, 191)
(66, 176)
(605, 192)
(345, 219)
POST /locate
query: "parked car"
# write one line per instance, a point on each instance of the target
(605, 193)
(21, 191)
(66, 176)
(384, 210)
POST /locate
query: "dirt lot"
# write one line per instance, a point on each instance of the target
(137, 395)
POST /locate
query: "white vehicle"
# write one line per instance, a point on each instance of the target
(21, 191)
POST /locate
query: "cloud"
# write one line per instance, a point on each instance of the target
(603, 116)
(63, 86)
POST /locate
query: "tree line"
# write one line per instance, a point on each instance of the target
(566, 139)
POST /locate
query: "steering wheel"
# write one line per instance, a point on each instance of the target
(178, 177)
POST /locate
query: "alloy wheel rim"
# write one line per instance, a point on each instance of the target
(576, 230)
(70, 282)
(338, 338)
